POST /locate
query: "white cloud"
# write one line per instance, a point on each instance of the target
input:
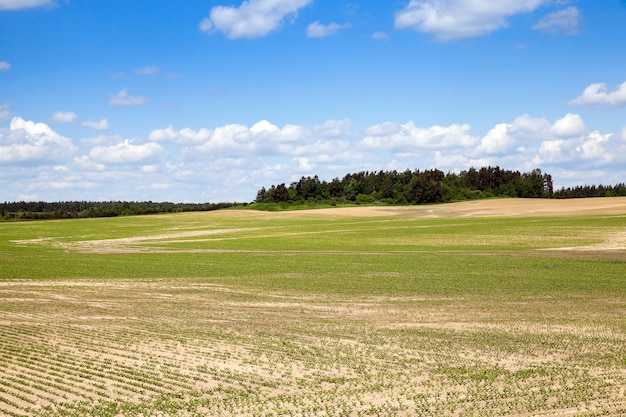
(523, 136)
(125, 152)
(498, 140)
(318, 30)
(5, 66)
(454, 161)
(150, 169)
(122, 98)
(231, 162)
(230, 139)
(598, 94)
(527, 129)
(569, 125)
(594, 147)
(264, 127)
(84, 163)
(23, 4)
(407, 136)
(31, 128)
(522, 144)
(102, 124)
(254, 18)
(151, 70)
(263, 139)
(64, 117)
(27, 141)
(550, 151)
(184, 136)
(565, 21)
(457, 19)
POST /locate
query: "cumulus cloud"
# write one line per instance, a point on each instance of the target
(524, 143)
(534, 140)
(457, 19)
(27, 141)
(102, 124)
(569, 125)
(498, 140)
(254, 18)
(122, 98)
(550, 151)
(595, 147)
(567, 143)
(184, 136)
(231, 162)
(125, 152)
(64, 117)
(598, 94)
(5, 66)
(23, 4)
(318, 30)
(84, 163)
(232, 139)
(262, 139)
(407, 136)
(565, 21)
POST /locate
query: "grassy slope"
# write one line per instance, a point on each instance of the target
(445, 256)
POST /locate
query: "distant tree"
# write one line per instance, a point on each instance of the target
(261, 195)
(280, 194)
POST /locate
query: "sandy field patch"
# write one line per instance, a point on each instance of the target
(483, 208)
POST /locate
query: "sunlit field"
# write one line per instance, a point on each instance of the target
(496, 308)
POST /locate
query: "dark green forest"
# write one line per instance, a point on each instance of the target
(40, 210)
(375, 187)
(428, 187)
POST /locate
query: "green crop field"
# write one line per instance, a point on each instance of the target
(315, 313)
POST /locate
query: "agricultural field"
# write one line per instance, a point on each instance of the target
(486, 308)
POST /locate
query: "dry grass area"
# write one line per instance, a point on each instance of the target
(443, 333)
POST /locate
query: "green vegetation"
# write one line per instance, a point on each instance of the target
(423, 187)
(413, 187)
(41, 210)
(252, 313)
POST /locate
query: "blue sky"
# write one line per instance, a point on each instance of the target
(194, 101)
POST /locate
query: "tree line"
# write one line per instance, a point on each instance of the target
(41, 210)
(386, 187)
(413, 187)
(584, 191)
(428, 186)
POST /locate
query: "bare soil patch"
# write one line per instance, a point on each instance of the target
(214, 353)
(483, 208)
